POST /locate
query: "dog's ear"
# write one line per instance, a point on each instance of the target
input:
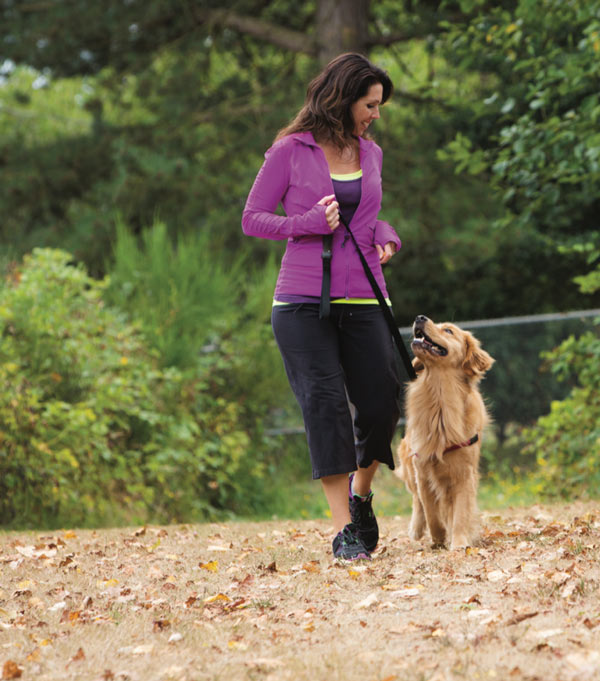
(418, 364)
(477, 361)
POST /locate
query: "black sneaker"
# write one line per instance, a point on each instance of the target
(347, 545)
(361, 512)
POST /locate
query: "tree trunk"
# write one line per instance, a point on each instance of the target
(341, 26)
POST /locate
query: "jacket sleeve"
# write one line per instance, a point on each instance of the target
(269, 188)
(384, 233)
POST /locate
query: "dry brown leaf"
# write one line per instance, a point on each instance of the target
(312, 566)
(160, 625)
(521, 617)
(11, 670)
(79, 655)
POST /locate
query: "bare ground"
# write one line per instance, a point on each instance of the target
(264, 601)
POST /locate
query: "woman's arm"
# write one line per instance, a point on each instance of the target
(269, 188)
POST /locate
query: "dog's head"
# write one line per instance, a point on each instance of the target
(447, 346)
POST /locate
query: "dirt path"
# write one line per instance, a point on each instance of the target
(264, 601)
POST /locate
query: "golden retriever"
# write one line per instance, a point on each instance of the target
(445, 419)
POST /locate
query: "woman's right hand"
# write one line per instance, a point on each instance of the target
(332, 214)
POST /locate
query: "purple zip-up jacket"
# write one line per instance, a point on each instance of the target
(296, 173)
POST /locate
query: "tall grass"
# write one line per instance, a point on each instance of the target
(181, 291)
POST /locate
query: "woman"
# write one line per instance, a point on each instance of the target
(319, 166)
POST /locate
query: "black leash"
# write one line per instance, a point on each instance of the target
(387, 313)
(324, 307)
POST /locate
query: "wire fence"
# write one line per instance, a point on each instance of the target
(520, 386)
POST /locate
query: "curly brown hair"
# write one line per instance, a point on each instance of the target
(329, 98)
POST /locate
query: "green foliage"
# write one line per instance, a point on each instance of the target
(176, 129)
(92, 430)
(178, 290)
(535, 127)
(566, 442)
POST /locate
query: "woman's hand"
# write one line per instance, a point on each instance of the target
(332, 214)
(387, 252)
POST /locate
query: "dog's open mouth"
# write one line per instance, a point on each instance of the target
(422, 339)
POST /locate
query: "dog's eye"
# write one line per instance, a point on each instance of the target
(449, 331)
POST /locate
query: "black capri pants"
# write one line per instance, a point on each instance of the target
(348, 356)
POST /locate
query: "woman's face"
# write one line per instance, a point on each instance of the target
(366, 109)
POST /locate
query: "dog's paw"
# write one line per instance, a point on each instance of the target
(459, 542)
(416, 532)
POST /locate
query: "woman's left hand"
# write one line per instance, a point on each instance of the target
(387, 252)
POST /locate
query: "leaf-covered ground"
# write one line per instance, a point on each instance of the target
(264, 601)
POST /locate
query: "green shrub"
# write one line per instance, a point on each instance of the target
(566, 441)
(92, 429)
(212, 321)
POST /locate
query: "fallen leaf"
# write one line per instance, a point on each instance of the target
(79, 655)
(11, 670)
(370, 600)
(217, 597)
(406, 593)
(312, 566)
(521, 617)
(211, 566)
(143, 649)
(106, 583)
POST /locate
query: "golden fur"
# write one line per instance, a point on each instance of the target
(443, 408)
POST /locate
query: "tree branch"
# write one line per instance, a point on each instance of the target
(264, 30)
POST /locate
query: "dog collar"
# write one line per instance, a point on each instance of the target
(467, 443)
(460, 445)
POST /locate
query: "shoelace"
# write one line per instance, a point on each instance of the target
(362, 510)
(348, 537)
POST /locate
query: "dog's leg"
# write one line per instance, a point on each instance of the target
(432, 513)
(417, 521)
(464, 513)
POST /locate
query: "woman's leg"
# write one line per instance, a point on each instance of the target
(372, 379)
(363, 479)
(336, 492)
(309, 347)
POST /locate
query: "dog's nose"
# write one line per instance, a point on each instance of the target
(421, 318)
